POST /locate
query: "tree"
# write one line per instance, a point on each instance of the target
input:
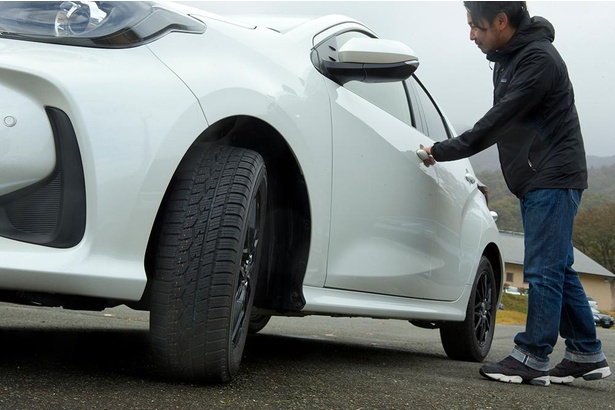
(594, 234)
(595, 223)
(505, 204)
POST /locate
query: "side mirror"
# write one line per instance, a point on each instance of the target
(371, 60)
(375, 51)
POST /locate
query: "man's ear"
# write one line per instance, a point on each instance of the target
(501, 21)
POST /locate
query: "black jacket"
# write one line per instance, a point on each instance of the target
(533, 120)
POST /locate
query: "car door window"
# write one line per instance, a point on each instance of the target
(390, 97)
(429, 120)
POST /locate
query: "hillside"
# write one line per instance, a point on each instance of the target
(601, 188)
(594, 232)
(488, 161)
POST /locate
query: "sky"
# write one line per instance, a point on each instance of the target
(457, 73)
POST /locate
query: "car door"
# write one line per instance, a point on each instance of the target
(451, 261)
(384, 200)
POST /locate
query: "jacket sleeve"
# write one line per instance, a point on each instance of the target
(532, 80)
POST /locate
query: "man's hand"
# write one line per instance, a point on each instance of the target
(424, 153)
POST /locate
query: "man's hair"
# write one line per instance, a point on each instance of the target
(479, 10)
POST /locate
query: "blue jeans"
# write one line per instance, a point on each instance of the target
(556, 301)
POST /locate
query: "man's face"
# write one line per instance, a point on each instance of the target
(488, 37)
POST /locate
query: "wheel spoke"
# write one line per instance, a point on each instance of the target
(482, 309)
(244, 285)
(237, 327)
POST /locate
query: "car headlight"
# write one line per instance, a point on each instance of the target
(77, 18)
(106, 24)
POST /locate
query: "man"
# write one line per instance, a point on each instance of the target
(535, 125)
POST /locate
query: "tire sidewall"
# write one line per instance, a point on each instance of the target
(484, 268)
(236, 350)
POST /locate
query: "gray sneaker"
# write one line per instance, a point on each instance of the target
(566, 371)
(510, 370)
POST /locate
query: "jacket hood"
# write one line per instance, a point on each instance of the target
(530, 29)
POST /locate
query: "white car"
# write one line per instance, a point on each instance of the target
(512, 290)
(165, 158)
(592, 302)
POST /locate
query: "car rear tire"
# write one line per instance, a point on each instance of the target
(471, 339)
(207, 263)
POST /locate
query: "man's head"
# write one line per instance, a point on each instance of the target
(493, 23)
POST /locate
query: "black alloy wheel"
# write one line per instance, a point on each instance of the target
(471, 339)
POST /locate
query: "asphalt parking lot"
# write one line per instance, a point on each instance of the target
(60, 359)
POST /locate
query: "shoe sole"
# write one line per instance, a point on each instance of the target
(596, 374)
(538, 381)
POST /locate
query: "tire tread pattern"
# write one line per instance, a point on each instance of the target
(199, 251)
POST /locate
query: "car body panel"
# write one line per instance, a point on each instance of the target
(125, 161)
(28, 152)
(463, 224)
(288, 95)
(382, 235)
(325, 301)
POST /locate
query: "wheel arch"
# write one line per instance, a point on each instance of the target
(288, 217)
(493, 253)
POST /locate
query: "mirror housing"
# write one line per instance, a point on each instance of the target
(371, 60)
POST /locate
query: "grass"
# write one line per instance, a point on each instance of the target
(510, 317)
(515, 310)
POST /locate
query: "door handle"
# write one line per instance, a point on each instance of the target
(422, 154)
(470, 178)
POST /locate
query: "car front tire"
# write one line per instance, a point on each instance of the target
(471, 339)
(207, 263)
(258, 323)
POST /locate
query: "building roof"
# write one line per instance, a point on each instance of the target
(513, 248)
